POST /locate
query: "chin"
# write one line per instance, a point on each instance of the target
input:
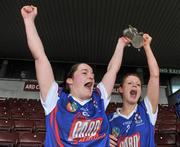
(88, 95)
(132, 102)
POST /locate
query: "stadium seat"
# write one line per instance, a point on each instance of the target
(178, 127)
(40, 126)
(6, 125)
(36, 116)
(5, 115)
(31, 140)
(178, 140)
(8, 139)
(165, 139)
(19, 115)
(167, 128)
(23, 126)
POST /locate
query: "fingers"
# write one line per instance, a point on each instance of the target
(113, 141)
(124, 40)
(127, 40)
(29, 12)
(147, 39)
(29, 9)
(34, 8)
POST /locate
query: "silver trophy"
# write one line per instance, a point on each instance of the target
(135, 36)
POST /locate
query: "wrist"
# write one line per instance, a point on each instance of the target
(147, 46)
(122, 41)
(28, 21)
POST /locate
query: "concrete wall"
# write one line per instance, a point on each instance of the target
(15, 89)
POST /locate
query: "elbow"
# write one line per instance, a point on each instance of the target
(114, 69)
(155, 73)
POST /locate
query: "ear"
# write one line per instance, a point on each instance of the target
(69, 81)
(120, 89)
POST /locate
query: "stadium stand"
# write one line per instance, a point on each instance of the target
(22, 123)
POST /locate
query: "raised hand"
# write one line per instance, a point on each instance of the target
(146, 40)
(124, 40)
(29, 12)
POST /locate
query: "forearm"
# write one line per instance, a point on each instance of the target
(153, 84)
(33, 39)
(116, 60)
(114, 66)
(152, 63)
(43, 67)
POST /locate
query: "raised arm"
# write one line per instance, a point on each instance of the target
(153, 83)
(114, 65)
(44, 71)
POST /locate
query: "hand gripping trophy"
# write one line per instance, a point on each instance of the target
(135, 36)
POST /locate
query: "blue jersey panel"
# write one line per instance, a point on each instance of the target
(71, 124)
(136, 131)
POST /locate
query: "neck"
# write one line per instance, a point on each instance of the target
(127, 108)
(75, 97)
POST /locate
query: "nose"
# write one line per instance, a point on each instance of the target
(91, 76)
(134, 84)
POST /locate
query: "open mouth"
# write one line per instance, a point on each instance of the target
(88, 85)
(133, 93)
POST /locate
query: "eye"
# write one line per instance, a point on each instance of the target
(129, 83)
(139, 85)
(84, 73)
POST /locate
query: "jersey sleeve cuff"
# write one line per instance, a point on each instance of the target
(104, 94)
(51, 98)
(152, 116)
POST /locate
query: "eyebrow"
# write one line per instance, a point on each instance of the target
(86, 70)
(133, 81)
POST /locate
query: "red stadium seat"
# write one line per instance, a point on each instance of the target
(31, 140)
(19, 115)
(40, 126)
(23, 126)
(8, 139)
(165, 139)
(178, 140)
(6, 125)
(167, 128)
(178, 127)
(36, 116)
(5, 115)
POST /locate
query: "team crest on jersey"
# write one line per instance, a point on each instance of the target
(71, 107)
(137, 118)
(115, 131)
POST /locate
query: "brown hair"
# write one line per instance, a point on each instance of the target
(70, 75)
(130, 74)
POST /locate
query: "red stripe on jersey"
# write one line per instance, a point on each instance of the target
(53, 120)
(57, 130)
